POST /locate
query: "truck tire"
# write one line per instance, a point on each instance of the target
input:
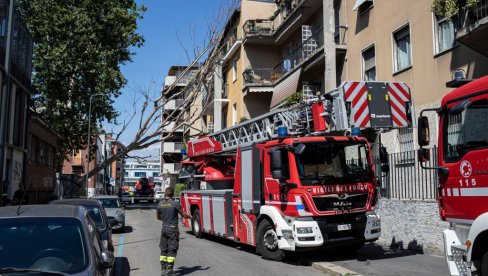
(196, 225)
(484, 265)
(267, 242)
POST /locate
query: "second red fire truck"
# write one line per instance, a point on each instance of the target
(296, 178)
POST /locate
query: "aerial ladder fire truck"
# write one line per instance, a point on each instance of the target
(462, 166)
(296, 178)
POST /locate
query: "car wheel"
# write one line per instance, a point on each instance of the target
(267, 242)
(484, 265)
(196, 225)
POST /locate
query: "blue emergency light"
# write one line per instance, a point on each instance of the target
(282, 131)
(355, 131)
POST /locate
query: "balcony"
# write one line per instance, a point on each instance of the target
(285, 22)
(172, 147)
(172, 168)
(170, 127)
(474, 27)
(340, 37)
(173, 104)
(300, 56)
(231, 46)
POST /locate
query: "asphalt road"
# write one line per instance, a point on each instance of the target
(137, 253)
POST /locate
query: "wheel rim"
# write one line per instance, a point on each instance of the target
(270, 239)
(196, 226)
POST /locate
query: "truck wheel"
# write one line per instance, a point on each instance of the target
(196, 225)
(484, 264)
(267, 242)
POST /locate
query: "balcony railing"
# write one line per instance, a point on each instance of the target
(173, 104)
(266, 27)
(476, 13)
(269, 76)
(172, 147)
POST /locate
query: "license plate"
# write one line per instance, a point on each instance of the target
(343, 227)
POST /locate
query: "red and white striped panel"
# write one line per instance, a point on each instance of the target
(355, 92)
(399, 94)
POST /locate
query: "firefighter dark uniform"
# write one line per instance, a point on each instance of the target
(168, 210)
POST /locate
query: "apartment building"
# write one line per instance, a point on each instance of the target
(173, 97)
(271, 50)
(404, 41)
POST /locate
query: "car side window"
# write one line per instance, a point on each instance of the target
(94, 236)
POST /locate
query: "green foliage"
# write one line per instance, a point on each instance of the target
(178, 188)
(79, 47)
(293, 99)
(448, 8)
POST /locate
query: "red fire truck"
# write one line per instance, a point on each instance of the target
(463, 175)
(296, 178)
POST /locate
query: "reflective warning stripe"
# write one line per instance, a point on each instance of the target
(398, 94)
(356, 94)
(456, 192)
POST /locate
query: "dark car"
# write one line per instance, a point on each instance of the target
(60, 239)
(98, 214)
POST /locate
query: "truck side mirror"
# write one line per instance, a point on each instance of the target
(383, 155)
(423, 155)
(276, 164)
(298, 150)
(423, 131)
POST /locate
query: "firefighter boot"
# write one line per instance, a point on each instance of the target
(164, 265)
(169, 269)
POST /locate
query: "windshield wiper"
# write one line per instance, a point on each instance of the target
(42, 272)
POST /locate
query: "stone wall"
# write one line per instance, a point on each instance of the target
(412, 224)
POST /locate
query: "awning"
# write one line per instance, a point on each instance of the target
(359, 3)
(285, 88)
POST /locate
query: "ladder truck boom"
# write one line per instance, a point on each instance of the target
(296, 178)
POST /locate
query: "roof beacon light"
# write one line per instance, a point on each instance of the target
(355, 131)
(282, 132)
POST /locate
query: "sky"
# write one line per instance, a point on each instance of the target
(163, 22)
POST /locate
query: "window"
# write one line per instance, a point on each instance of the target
(369, 64)
(126, 174)
(139, 174)
(402, 49)
(444, 33)
(234, 70)
(405, 140)
(234, 114)
(155, 174)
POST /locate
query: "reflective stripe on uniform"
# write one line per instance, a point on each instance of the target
(171, 259)
(163, 258)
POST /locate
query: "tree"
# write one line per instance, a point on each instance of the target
(448, 8)
(79, 46)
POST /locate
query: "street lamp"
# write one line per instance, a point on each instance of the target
(88, 142)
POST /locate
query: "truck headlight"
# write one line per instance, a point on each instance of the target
(376, 223)
(304, 230)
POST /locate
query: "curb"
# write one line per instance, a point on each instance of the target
(333, 269)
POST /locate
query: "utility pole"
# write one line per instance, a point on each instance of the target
(4, 98)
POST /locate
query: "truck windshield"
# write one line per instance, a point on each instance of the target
(333, 163)
(466, 131)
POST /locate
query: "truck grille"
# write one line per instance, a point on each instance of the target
(353, 201)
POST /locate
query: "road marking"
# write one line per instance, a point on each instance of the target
(333, 269)
(120, 252)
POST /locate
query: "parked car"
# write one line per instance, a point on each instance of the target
(114, 209)
(159, 195)
(51, 238)
(125, 197)
(97, 212)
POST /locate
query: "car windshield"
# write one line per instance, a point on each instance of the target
(333, 163)
(466, 131)
(109, 202)
(53, 244)
(96, 215)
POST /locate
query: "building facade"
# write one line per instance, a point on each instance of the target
(16, 71)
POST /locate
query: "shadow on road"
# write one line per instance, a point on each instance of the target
(183, 270)
(368, 252)
(128, 229)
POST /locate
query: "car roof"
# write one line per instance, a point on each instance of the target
(78, 201)
(104, 196)
(42, 210)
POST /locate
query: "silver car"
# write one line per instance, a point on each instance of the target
(59, 239)
(114, 209)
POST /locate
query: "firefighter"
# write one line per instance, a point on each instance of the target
(167, 212)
